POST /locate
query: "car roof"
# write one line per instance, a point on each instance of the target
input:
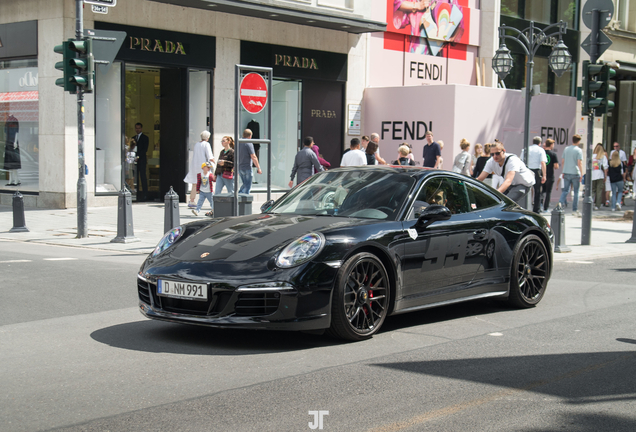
(411, 171)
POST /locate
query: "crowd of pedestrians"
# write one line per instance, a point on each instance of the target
(489, 163)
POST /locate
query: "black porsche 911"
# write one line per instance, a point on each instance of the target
(346, 249)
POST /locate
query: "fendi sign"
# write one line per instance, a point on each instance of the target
(156, 45)
(295, 62)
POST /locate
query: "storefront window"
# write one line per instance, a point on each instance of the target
(19, 125)
(108, 139)
(541, 11)
(510, 8)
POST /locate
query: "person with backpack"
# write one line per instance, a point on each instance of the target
(517, 178)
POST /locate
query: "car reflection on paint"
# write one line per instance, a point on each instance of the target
(347, 249)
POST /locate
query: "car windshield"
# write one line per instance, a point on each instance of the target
(368, 194)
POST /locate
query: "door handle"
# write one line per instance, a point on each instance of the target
(480, 234)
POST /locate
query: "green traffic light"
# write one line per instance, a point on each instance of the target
(65, 66)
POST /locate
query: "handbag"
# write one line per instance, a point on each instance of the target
(228, 175)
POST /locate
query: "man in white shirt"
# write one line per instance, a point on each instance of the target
(621, 153)
(518, 179)
(376, 139)
(537, 160)
(355, 156)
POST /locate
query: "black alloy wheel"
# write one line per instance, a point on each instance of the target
(529, 272)
(361, 298)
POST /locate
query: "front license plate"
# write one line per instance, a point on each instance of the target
(184, 290)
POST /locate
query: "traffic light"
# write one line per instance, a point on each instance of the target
(82, 64)
(590, 86)
(603, 93)
(65, 66)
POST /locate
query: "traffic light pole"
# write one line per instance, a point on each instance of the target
(586, 224)
(82, 229)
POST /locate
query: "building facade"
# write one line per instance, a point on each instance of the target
(174, 74)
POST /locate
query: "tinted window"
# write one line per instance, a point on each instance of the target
(479, 199)
(448, 192)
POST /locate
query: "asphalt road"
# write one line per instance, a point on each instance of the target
(76, 355)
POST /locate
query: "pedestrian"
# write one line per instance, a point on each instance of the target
(324, 163)
(432, 152)
(537, 161)
(517, 178)
(247, 159)
(441, 159)
(355, 156)
(375, 138)
(572, 160)
(616, 174)
(201, 153)
(370, 153)
(621, 153)
(204, 188)
(481, 162)
(224, 172)
(403, 156)
(462, 162)
(304, 161)
(142, 143)
(623, 157)
(553, 163)
(479, 150)
(599, 174)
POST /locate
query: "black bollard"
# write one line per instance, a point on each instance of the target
(633, 239)
(125, 232)
(557, 221)
(19, 223)
(171, 215)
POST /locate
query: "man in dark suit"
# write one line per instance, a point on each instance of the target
(142, 149)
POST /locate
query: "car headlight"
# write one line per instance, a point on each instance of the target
(300, 250)
(168, 240)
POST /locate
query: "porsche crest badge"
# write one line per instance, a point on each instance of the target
(204, 254)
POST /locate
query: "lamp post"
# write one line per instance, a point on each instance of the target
(530, 39)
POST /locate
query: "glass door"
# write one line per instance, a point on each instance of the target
(143, 131)
(199, 97)
(286, 118)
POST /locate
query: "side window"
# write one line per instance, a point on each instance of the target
(479, 199)
(430, 193)
(442, 191)
(457, 199)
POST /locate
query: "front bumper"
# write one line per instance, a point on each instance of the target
(284, 308)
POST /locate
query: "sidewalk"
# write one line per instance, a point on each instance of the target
(59, 227)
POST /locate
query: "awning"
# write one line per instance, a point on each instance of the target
(306, 15)
(21, 105)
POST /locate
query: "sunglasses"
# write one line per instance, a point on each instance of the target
(495, 153)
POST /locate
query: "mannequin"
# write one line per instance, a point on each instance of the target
(12, 161)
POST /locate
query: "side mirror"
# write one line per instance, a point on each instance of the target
(267, 205)
(433, 213)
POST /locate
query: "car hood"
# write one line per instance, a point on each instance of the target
(247, 237)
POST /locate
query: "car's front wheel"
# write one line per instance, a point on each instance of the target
(529, 273)
(361, 298)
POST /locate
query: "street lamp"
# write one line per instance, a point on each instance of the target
(531, 39)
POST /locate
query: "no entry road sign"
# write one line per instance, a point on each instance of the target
(253, 93)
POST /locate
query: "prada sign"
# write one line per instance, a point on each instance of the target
(157, 45)
(161, 47)
(292, 62)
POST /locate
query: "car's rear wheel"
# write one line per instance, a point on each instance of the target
(361, 298)
(529, 273)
